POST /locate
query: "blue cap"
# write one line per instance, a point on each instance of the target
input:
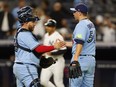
(80, 8)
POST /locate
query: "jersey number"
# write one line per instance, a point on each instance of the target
(91, 37)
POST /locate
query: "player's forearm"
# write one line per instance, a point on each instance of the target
(79, 45)
(42, 48)
(69, 44)
(78, 51)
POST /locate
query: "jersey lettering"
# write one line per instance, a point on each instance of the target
(92, 32)
(51, 42)
(90, 26)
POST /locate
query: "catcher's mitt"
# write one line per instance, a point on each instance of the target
(75, 70)
(46, 62)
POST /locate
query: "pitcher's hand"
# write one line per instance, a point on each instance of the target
(59, 44)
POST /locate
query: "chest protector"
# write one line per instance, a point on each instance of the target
(17, 46)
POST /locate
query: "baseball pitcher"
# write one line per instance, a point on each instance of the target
(82, 65)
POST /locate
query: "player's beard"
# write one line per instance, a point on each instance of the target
(31, 28)
(76, 19)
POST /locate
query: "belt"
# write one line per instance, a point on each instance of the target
(25, 63)
(87, 55)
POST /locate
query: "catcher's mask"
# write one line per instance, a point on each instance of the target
(25, 15)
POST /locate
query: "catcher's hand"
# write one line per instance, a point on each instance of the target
(46, 62)
(75, 70)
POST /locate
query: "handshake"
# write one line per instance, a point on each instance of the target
(59, 44)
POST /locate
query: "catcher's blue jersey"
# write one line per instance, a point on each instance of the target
(26, 40)
(85, 31)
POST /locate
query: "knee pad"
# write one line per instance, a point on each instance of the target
(35, 83)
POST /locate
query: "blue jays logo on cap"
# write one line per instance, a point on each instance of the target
(80, 8)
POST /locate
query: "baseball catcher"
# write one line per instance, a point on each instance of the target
(28, 50)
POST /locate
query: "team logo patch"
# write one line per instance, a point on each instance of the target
(79, 36)
(51, 42)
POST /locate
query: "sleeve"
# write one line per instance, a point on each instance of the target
(59, 52)
(28, 40)
(80, 34)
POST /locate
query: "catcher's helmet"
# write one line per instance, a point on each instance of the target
(51, 23)
(25, 15)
